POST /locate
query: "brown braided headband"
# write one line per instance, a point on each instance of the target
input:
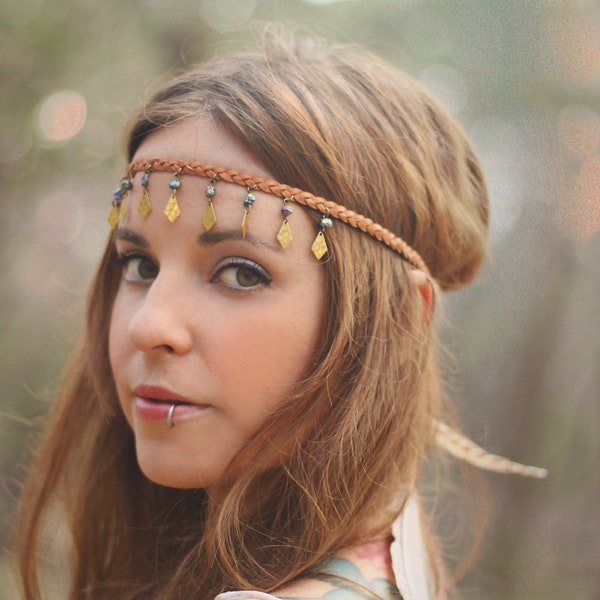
(450, 440)
(252, 183)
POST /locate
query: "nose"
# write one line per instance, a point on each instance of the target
(160, 321)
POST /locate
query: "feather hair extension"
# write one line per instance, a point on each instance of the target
(463, 448)
(410, 560)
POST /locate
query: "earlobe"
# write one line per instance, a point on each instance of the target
(422, 281)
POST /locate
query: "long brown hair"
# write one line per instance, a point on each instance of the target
(341, 124)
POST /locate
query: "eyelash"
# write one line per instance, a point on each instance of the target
(123, 261)
(250, 266)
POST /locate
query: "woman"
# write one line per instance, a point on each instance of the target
(257, 387)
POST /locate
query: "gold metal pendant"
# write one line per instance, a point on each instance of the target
(144, 207)
(113, 217)
(284, 237)
(245, 222)
(248, 202)
(209, 218)
(319, 247)
(172, 210)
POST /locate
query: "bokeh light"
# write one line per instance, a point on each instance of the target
(61, 116)
(59, 217)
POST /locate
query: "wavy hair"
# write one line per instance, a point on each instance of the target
(341, 454)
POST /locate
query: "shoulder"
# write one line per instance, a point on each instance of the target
(363, 572)
(357, 573)
(342, 579)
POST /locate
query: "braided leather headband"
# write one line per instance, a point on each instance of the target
(450, 440)
(252, 183)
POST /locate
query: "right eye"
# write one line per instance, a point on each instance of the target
(137, 268)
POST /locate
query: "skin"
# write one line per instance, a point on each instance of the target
(367, 566)
(228, 325)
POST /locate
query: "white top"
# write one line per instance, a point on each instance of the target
(410, 563)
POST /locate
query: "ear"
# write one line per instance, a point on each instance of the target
(422, 281)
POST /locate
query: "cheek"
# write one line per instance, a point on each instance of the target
(117, 355)
(117, 340)
(114, 338)
(266, 356)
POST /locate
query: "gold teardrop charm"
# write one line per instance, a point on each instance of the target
(209, 218)
(144, 207)
(248, 202)
(284, 237)
(245, 222)
(113, 217)
(172, 208)
(319, 247)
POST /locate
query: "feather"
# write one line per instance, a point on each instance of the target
(464, 449)
(410, 560)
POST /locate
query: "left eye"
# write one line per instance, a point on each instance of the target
(242, 275)
(137, 268)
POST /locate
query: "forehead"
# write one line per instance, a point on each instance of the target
(201, 140)
(235, 207)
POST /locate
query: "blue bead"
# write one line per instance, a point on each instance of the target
(126, 184)
(145, 180)
(118, 194)
(287, 210)
(249, 200)
(175, 184)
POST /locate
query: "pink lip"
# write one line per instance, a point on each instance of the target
(152, 403)
(160, 394)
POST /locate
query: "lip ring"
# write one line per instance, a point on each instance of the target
(170, 415)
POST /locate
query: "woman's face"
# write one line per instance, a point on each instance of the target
(223, 326)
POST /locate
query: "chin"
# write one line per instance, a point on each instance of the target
(173, 479)
(174, 474)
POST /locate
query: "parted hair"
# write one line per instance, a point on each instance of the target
(334, 462)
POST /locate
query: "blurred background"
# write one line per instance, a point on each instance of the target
(523, 76)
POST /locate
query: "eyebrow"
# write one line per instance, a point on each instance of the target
(210, 238)
(131, 236)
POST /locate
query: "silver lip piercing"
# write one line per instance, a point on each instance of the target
(170, 415)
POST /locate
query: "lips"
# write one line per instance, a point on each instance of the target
(159, 394)
(152, 403)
